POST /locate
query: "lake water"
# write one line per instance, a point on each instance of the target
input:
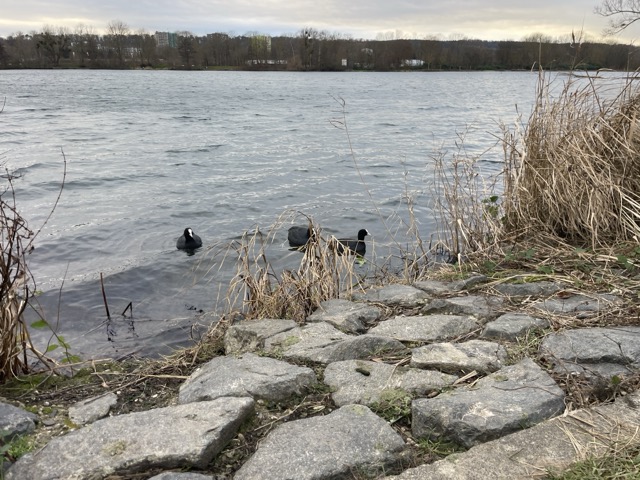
(152, 152)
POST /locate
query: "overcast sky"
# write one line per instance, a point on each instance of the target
(483, 19)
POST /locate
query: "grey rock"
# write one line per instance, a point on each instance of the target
(350, 317)
(594, 351)
(366, 382)
(172, 437)
(512, 326)
(530, 289)
(181, 476)
(92, 409)
(401, 295)
(479, 355)
(435, 287)
(513, 398)
(246, 376)
(349, 439)
(323, 343)
(426, 328)
(313, 335)
(551, 446)
(15, 421)
(250, 336)
(467, 283)
(481, 307)
(577, 304)
(363, 346)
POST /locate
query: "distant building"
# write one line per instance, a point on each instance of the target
(166, 39)
(413, 63)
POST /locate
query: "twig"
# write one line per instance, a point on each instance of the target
(128, 307)
(104, 297)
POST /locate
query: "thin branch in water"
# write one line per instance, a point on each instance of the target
(104, 297)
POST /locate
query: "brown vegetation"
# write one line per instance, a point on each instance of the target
(17, 352)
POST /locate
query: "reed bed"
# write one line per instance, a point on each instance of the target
(259, 291)
(573, 172)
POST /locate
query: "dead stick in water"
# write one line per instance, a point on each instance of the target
(104, 297)
(130, 308)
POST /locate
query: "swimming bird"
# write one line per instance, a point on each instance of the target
(188, 240)
(350, 246)
(298, 236)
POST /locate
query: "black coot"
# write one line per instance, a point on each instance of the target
(188, 240)
(298, 236)
(350, 246)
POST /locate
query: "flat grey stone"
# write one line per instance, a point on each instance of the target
(435, 287)
(246, 376)
(551, 446)
(350, 317)
(323, 343)
(16, 421)
(181, 476)
(349, 439)
(365, 382)
(401, 295)
(469, 282)
(92, 409)
(512, 326)
(479, 355)
(426, 328)
(314, 336)
(479, 306)
(594, 351)
(513, 398)
(529, 289)
(250, 336)
(576, 304)
(188, 435)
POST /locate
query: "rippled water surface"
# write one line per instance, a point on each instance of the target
(150, 153)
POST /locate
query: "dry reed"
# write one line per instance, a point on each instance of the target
(574, 172)
(259, 291)
(467, 208)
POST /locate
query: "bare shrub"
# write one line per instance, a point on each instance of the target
(17, 287)
(15, 242)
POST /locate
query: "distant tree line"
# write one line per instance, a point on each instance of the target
(310, 49)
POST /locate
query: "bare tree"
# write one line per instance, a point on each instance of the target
(54, 44)
(187, 47)
(85, 44)
(621, 14)
(118, 32)
(145, 47)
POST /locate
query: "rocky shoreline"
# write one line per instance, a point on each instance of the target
(481, 367)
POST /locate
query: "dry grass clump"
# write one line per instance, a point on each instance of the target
(574, 172)
(259, 291)
(466, 205)
(14, 286)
